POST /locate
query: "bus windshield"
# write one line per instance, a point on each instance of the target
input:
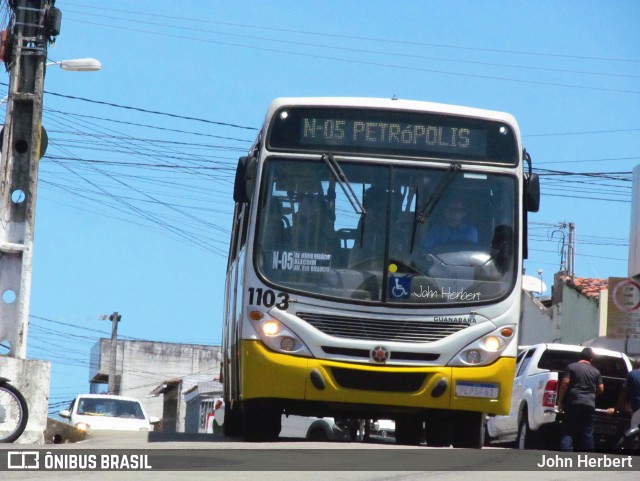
(311, 240)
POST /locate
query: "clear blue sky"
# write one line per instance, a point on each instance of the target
(134, 206)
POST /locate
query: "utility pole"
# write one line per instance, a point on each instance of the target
(34, 24)
(634, 234)
(115, 319)
(23, 49)
(571, 253)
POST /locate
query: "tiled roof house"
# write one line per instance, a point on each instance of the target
(572, 315)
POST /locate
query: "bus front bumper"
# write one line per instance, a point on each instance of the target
(266, 374)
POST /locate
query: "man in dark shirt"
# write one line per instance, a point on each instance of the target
(577, 397)
(632, 386)
(630, 393)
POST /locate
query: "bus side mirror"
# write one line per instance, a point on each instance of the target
(532, 192)
(245, 179)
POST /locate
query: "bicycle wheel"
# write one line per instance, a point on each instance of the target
(13, 413)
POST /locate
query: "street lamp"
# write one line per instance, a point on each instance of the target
(542, 287)
(72, 65)
(78, 65)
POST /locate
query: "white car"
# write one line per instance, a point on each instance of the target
(100, 412)
(384, 428)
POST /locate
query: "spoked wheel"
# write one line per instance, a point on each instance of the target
(13, 413)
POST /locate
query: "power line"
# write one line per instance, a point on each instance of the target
(134, 164)
(589, 160)
(145, 195)
(377, 64)
(191, 28)
(136, 124)
(605, 175)
(147, 111)
(353, 37)
(586, 132)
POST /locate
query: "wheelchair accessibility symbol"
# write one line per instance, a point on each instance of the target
(399, 287)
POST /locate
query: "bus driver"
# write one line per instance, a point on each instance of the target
(453, 229)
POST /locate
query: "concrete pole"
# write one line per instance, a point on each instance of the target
(572, 250)
(22, 147)
(634, 234)
(34, 24)
(115, 319)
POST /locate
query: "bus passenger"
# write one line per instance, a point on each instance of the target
(502, 248)
(368, 250)
(313, 229)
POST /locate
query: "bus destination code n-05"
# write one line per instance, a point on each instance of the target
(395, 135)
(389, 132)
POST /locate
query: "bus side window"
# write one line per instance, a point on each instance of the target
(240, 227)
(245, 225)
(235, 234)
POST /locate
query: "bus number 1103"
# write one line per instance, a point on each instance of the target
(267, 298)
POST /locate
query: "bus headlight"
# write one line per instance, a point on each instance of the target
(486, 349)
(473, 356)
(270, 328)
(492, 343)
(288, 344)
(278, 337)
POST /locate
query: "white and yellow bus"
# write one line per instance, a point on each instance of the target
(375, 268)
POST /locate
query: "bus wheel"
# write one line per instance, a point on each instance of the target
(468, 430)
(231, 425)
(438, 432)
(409, 430)
(318, 434)
(261, 420)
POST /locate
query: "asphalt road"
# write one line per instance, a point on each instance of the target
(213, 457)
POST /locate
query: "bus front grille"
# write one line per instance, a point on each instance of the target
(378, 381)
(394, 356)
(400, 330)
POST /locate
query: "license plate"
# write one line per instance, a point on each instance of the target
(476, 389)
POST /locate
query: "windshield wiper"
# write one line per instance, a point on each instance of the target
(427, 209)
(423, 214)
(344, 183)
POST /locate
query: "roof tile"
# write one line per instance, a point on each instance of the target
(587, 286)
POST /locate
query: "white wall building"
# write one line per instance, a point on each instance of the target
(143, 365)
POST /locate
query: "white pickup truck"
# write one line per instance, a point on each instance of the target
(533, 416)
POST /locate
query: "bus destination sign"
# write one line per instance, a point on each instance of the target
(391, 132)
(393, 135)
